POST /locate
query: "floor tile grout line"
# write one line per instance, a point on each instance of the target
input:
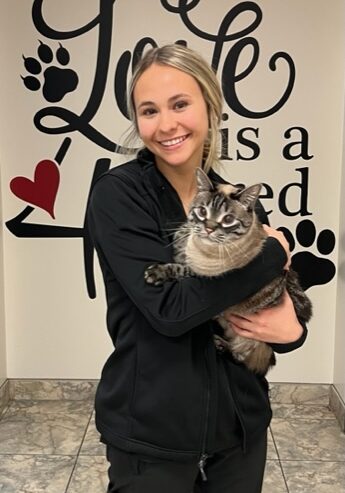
(279, 462)
(78, 452)
(32, 399)
(280, 465)
(304, 419)
(314, 460)
(26, 454)
(284, 478)
(274, 442)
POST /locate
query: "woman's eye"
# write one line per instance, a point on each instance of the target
(148, 112)
(179, 105)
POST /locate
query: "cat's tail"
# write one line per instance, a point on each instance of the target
(302, 304)
(260, 359)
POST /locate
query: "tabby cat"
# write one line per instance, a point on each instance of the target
(222, 232)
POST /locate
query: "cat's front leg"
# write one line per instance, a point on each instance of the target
(157, 274)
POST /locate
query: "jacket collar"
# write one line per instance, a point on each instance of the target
(147, 160)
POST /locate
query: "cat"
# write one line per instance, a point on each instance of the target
(222, 233)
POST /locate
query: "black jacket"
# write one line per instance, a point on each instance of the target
(165, 391)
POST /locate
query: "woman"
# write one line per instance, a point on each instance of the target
(176, 415)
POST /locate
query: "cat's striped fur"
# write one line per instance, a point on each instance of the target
(223, 233)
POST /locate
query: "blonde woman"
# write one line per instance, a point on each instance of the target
(176, 415)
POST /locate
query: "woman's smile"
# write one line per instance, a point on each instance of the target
(174, 143)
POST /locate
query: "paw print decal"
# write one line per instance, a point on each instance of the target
(313, 270)
(57, 81)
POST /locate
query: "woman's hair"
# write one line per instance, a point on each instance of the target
(190, 62)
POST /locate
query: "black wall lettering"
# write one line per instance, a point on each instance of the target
(224, 135)
(250, 144)
(302, 186)
(301, 145)
(267, 195)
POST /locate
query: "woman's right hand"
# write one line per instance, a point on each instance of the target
(278, 235)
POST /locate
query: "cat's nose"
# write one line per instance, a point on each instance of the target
(210, 226)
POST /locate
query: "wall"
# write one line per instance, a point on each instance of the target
(55, 325)
(3, 369)
(339, 360)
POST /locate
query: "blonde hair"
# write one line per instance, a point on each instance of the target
(190, 62)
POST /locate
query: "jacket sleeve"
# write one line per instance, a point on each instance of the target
(291, 346)
(128, 239)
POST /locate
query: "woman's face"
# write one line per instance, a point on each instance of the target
(171, 116)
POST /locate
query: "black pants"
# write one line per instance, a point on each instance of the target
(231, 471)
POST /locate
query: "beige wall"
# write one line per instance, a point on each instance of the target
(339, 359)
(53, 329)
(3, 370)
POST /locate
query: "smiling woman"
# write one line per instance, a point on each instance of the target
(171, 117)
(176, 415)
(172, 122)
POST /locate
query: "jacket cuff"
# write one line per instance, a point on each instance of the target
(291, 346)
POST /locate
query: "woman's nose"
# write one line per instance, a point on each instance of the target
(167, 122)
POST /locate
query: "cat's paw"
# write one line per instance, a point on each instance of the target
(221, 344)
(155, 274)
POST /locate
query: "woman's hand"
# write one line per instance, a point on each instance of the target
(278, 235)
(277, 325)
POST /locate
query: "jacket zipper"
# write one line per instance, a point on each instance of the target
(201, 464)
(239, 416)
(204, 456)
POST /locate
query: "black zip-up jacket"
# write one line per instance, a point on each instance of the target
(165, 391)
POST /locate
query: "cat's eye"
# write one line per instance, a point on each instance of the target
(201, 212)
(228, 220)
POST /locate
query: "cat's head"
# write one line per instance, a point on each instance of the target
(222, 213)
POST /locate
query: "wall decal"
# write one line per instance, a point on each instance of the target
(236, 56)
(57, 81)
(42, 191)
(22, 229)
(313, 270)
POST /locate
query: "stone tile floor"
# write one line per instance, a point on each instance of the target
(52, 446)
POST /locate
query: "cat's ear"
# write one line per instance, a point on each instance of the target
(203, 182)
(249, 195)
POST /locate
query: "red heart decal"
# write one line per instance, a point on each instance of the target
(42, 191)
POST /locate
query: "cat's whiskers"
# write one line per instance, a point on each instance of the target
(178, 226)
(176, 240)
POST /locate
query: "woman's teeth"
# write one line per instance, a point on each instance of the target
(173, 142)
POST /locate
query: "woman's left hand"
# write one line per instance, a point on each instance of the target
(277, 325)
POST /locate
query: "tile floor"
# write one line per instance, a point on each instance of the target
(52, 446)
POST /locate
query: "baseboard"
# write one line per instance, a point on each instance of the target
(337, 405)
(4, 396)
(73, 389)
(52, 389)
(300, 393)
